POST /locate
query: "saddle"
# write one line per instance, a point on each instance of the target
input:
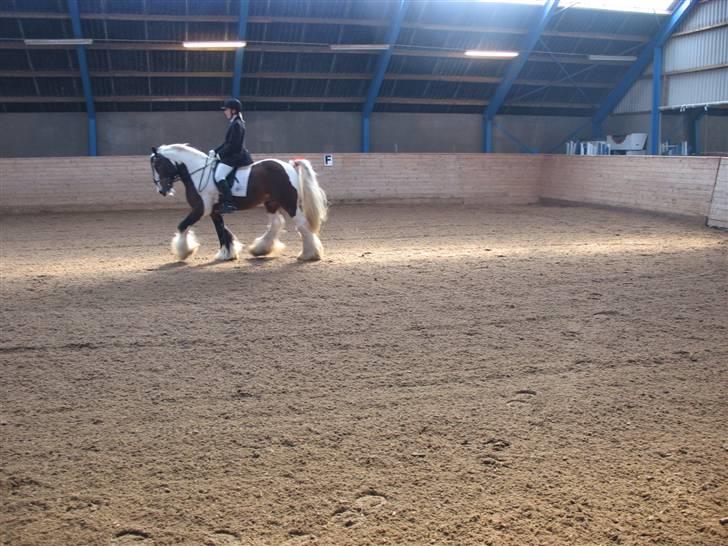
(237, 180)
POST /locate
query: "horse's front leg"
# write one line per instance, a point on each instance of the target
(229, 245)
(185, 244)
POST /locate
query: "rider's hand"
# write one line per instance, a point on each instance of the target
(211, 153)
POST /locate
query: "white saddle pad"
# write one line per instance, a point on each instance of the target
(240, 187)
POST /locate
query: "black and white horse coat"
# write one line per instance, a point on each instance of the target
(277, 185)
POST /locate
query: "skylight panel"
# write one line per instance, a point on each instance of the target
(661, 7)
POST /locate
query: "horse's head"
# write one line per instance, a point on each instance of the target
(164, 172)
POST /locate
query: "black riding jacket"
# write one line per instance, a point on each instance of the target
(232, 152)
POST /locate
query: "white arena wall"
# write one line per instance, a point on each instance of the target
(689, 186)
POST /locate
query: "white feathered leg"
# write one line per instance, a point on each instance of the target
(184, 244)
(268, 243)
(231, 251)
(313, 250)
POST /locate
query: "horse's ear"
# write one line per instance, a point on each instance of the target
(154, 150)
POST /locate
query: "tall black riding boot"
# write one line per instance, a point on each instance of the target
(226, 200)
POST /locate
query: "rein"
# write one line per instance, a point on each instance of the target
(204, 182)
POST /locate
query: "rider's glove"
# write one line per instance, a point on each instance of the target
(211, 154)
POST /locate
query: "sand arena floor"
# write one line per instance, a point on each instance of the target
(528, 375)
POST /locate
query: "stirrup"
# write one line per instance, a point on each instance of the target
(226, 207)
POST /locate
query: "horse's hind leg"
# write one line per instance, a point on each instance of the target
(313, 250)
(268, 243)
(229, 244)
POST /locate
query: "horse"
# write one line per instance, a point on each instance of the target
(291, 187)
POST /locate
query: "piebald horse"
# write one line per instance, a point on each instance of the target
(277, 185)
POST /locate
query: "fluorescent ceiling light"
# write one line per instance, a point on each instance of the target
(491, 54)
(661, 7)
(214, 45)
(620, 58)
(359, 47)
(71, 41)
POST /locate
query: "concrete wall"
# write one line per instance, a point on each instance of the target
(713, 135)
(302, 132)
(539, 132)
(43, 135)
(131, 133)
(419, 133)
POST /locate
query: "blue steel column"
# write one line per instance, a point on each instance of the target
(238, 66)
(381, 69)
(596, 130)
(617, 94)
(655, 136)
(85, 78)
(515, 68)
(488, 135)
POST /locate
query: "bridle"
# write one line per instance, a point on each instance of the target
(164, 185)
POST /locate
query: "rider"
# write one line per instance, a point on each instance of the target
(232, 154)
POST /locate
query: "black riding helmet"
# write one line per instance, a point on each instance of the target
(233, 104)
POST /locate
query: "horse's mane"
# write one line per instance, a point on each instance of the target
(180, 148)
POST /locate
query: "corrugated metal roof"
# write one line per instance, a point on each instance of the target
(135, 56)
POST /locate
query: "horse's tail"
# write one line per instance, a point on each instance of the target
(313, 200)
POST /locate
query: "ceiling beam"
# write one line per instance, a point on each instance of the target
(298, 76)
(240, 52)
(85, 78)
(483, 103)
(294, 100)
(382, 64)
(671, 24)
(514, 69)
(257, 19)
(564, 58)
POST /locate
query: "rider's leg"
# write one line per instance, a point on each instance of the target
(226, 201)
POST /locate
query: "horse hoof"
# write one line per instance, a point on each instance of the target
(184, 245)
(226, 254)
(261, 248)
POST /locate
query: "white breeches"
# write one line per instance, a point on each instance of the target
(221, 171)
